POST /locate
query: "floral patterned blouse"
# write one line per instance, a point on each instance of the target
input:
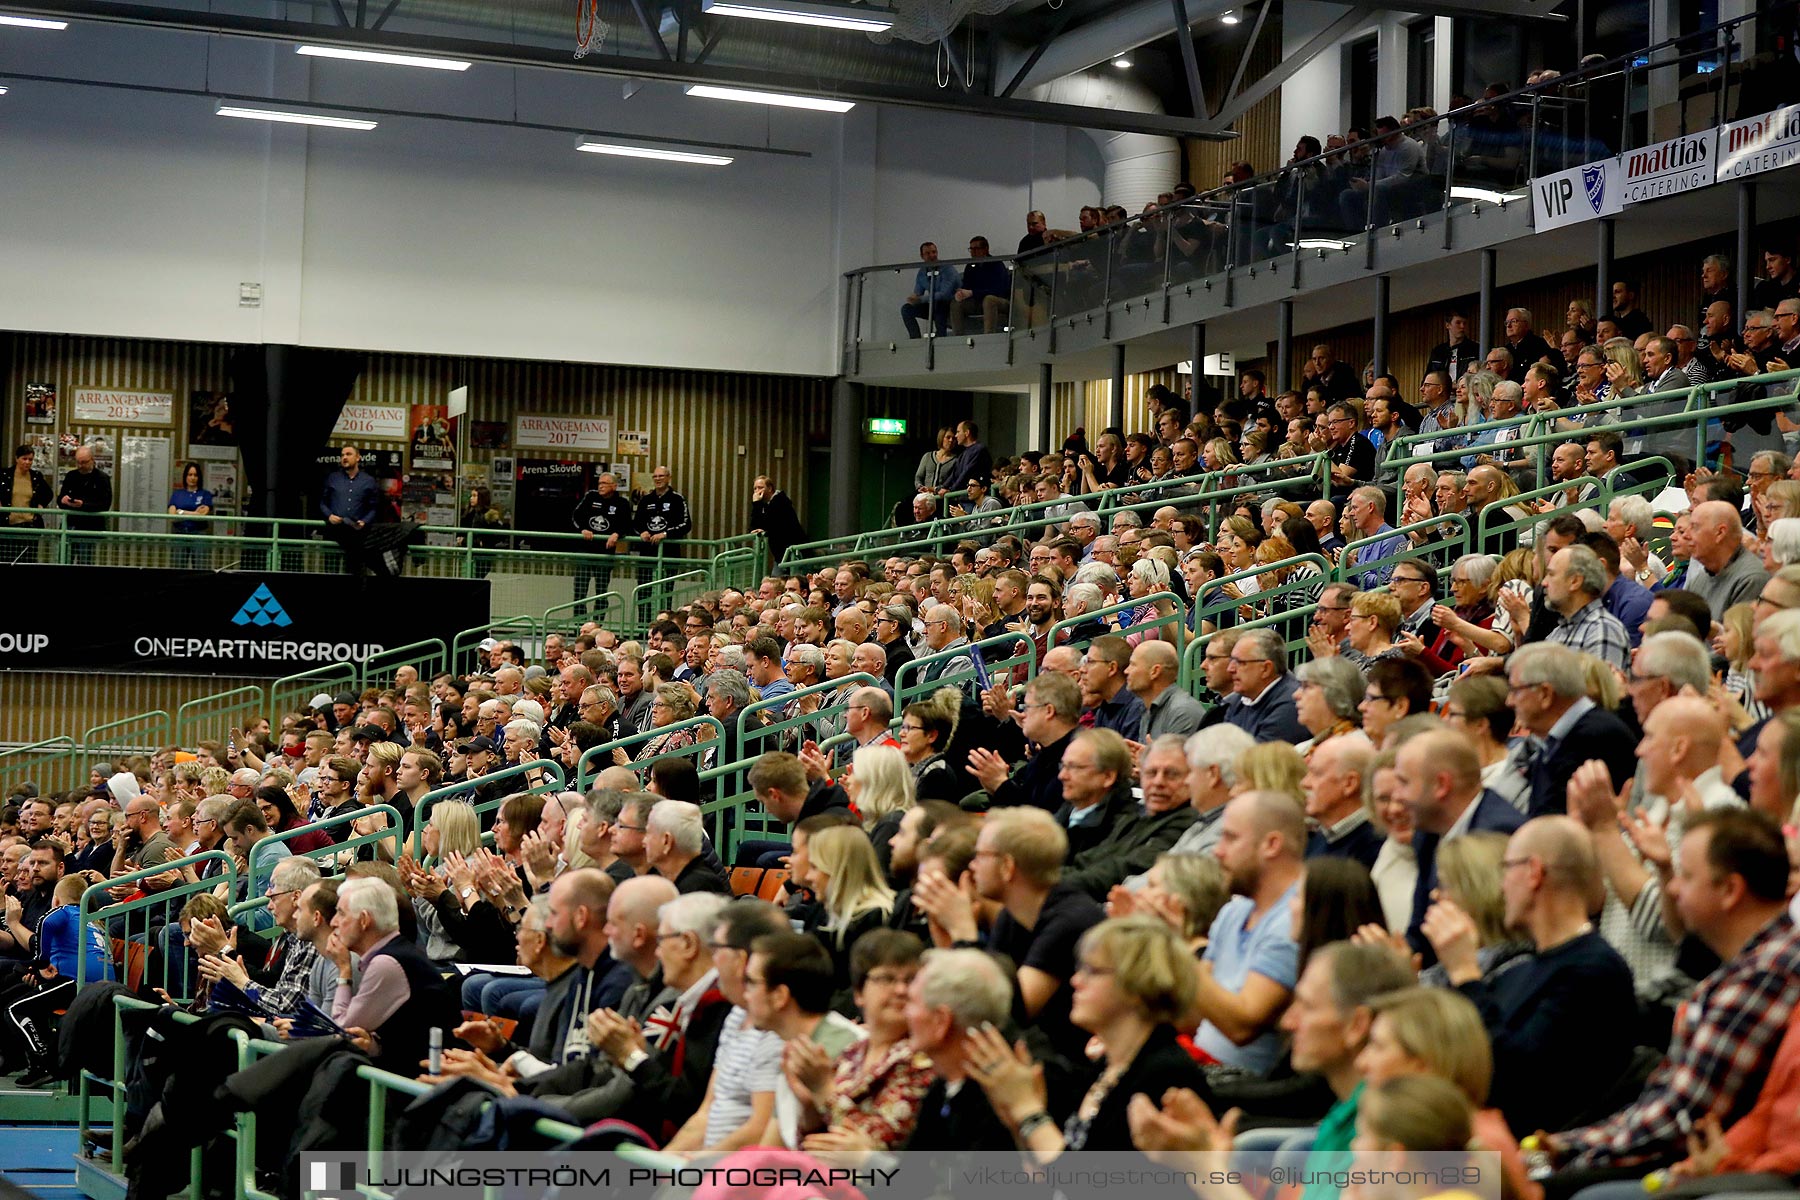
(880, 1099)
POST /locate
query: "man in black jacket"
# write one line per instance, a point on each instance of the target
(662, 514)
(86, 494)
(604, 518)
(772, 515)
(1133, 844)
(1052, 707)
(954, 992)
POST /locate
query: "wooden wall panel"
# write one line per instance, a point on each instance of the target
(1258, 140)
(696, 420)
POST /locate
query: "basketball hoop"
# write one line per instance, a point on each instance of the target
(590, 30)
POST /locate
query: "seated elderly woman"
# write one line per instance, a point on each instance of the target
(1327, 700)
(1374, 619)
(1134, 978)
(674, 703)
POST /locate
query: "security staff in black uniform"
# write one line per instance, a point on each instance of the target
(604, 518)
(661, 514)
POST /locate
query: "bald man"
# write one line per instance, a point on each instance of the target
(1437, 775)
(1554, 1018)
(1150, 673)
(1252, 956)
(1722, 571)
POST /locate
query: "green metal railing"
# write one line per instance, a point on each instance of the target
(1189, 492)
(596, 759)
(226, 711)
(327, 856)
(570, 615)
(290, 693)
(1494, 522)
(554, 781)
(1177, 616)
(144, 733)
(39, 755)
(1289, 614)
(427, 656)
(158, 908)
(653, 596)
(910, 684)
(1437, 545)
(465, 647)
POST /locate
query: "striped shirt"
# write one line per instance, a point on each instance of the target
(748, 1061)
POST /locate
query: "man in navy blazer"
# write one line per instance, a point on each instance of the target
(1437, 775)
(1549, 695)
(1262, 690)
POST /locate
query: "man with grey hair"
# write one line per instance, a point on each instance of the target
(956, 992)
(1335, 814)
(1103, 576)
(1123, 520)
(1104, 552)
(866, 719)
(399, 994)
(1630, 521)
(1078, 600)
(1084, 528)
(1368, 513)
(1574, 585)
(943, 637)
(1547, 687)
(1212, 756)
(1722, 571)
(1262, 699)
(870, 659)
(673, 843)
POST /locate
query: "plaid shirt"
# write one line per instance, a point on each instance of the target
(296, 969)
(1725, 1039)
(1595, 631)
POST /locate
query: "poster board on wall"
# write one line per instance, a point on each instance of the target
(143, 482)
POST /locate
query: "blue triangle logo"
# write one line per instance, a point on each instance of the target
(262, 608)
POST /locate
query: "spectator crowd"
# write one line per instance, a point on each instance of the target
(1471, 829)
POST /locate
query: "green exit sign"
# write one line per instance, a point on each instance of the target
(887, 426)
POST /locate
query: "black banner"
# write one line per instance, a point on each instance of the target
(255, 623)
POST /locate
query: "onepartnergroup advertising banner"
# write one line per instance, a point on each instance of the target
(251, 623)
(1737, 150)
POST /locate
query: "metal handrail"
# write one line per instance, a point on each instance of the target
(556, 781)
(395, 831)
(584, 775)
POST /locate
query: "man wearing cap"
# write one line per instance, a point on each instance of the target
(343, 711)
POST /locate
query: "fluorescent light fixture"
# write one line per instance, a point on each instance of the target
(1459, 192)
(383, 56)
(32, 22)
(778, 99)
(1229, 17)
(1322, 244)
(1123, 63)
(284, 116)
(804, 12)
(2, 91)
(590, 146)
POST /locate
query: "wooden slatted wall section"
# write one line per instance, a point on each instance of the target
(1258, 140)
(696, 420)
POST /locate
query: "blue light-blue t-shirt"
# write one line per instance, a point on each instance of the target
(61, 941)
(1236, 953)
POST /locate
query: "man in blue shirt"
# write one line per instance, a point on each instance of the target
(348, 502)
(934, 287)
(1251, 947)
(1368, 513)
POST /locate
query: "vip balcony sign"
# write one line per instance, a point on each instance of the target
(1576, 195)
(253, 623)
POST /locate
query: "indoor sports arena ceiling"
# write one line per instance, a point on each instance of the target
(998, 57)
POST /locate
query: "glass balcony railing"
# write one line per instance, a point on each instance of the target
(1484, 153)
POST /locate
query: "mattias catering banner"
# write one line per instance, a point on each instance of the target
(254, 623)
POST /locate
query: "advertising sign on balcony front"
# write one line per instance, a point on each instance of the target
(1669, 168)
(1766, 143)
(1576, 195)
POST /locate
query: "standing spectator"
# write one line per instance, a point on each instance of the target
(348, 502)
(933, 288)
(86, 493)
(937, 465)
(190, 500)
(974, 462)
(30, 489)
(603, 517)
(1458, 353)
(772, 515)
(661, 515)
(1626, 315)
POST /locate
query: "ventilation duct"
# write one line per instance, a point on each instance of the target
(1138, 165)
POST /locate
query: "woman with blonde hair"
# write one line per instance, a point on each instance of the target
(1134, 978)
(1374, 619)
(452, 828)
(1184, 890)
(1149, 577)
(853, 893)
(977, 600)
(1469, 876)
(882, 787)
(1271, 767)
